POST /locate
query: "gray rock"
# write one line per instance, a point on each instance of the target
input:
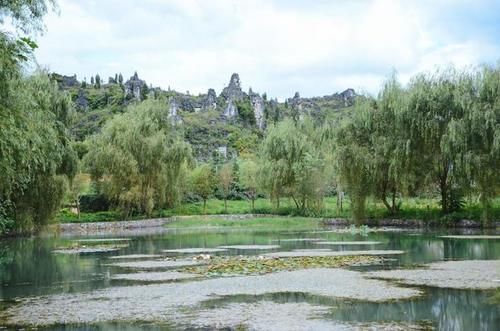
(133, 86)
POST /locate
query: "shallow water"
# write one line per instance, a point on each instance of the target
(29, 268)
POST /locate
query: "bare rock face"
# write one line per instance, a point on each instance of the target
(173, 110)
(81, 102)
(232, 93)
(258, 108)
(133, 86)
(210, 101)
(348, 96)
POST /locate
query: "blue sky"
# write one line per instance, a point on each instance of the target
(277, 46)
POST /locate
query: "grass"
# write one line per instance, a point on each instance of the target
(412, 208)
(269, 223)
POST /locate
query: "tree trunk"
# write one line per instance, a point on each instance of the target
(204, 206)
(225, 205)
(253, 204)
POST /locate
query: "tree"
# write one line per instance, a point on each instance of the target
(97, 81)
(120, 78)
(433, 104)
(225, 181)
(352, 156)
(137, 158)
(77, 186)
(203, 182)
(92, 81)
(245, 111)
(475, 138)
(36, 157)
(249, 177)
(386, 143)
(144, 92)
(292, 164)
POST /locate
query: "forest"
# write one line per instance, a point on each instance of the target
(436, 137)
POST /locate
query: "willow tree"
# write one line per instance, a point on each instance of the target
(292, 164)
(36, 156)
(475, 138)
(387, 144)
(433, 104)
(249, 177)
(138, 157)
(203, 182)
(226, 179)
(353, 158)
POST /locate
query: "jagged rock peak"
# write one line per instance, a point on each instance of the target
(348, 94)
(210, 101)
(134, 85)
(233, 90)
(235, 81)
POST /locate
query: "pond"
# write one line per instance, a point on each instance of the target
(139, 281)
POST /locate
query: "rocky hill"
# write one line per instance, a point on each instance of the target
(216, 125)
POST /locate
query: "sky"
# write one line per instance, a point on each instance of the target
(277, 46)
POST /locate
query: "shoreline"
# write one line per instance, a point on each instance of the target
(155, 223)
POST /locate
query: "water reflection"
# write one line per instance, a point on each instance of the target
(29, 268)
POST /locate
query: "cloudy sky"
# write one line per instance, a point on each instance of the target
(277, 46)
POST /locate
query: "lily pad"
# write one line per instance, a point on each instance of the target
(332, 253)
(263, 265)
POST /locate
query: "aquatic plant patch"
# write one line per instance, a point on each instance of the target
(256, 265)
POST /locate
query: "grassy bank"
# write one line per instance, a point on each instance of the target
(269, 223)
(421, 209)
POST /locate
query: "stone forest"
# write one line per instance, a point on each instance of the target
(126, 204)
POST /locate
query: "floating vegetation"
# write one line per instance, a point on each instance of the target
(250, 247)
(195, 250)
(169, 263)
(342, 243)
(100, 240)
(222, 266)
(316, 252)
(136, 256)
(471, 237)
(469, 274)
(82, 249)
(154, 276)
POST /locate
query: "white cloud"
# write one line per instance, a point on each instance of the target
(277, 46)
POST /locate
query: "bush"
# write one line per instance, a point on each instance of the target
(93, 203)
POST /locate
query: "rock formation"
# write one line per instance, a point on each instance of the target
(133, 86)
(210, 101)
(232, 94)
(258, 108)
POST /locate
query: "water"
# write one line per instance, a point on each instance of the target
(28, 268)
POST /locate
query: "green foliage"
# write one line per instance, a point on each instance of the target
(249, 177)
(245, 111)
(36, 154)
(203, 182)
(292, 165)
(137, 159)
